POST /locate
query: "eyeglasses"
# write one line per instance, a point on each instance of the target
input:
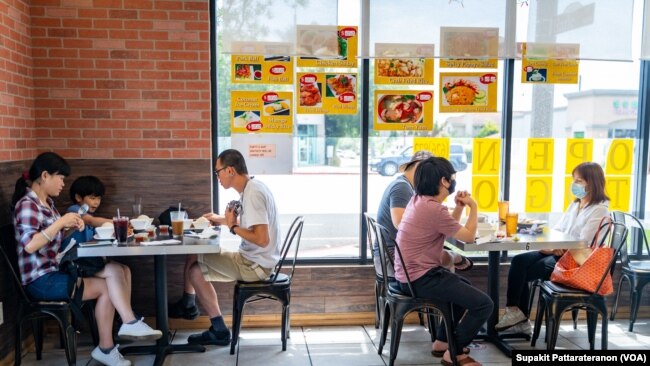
(216, 172)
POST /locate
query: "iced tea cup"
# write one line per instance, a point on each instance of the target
(121, 225)
(178, 221)
(511, 223)
(503, 210)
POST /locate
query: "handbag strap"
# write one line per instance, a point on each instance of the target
(605, 223)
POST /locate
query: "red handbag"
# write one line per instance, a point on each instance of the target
(587, 276)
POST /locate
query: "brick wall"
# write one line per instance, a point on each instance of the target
(120, 79)
(16, 89)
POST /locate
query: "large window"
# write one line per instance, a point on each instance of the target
(317, 171)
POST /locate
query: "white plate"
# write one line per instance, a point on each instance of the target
(96, 243)
(96, 237)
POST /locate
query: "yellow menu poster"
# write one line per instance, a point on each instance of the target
(257, 69)
(400, 64)
(327, 46)
(549, 63)
(469, 47)
(468, 92)
(327, 93)
(261, 112)
(403, 110)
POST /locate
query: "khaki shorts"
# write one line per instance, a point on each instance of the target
(230, 266)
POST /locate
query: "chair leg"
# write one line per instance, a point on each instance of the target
(71, 345)
(37, 329)
(385, 321)
(421, 318)
(237, 309)
(553, 326)
(603, 337)
(634, 306)
(618, 293)
(431, 322)
(377, 304)
(574, 317)
(285, 313)
(541, 308)
(396, 334)
(17, 343)
(592, 321)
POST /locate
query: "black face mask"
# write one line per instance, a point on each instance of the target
(452, 186)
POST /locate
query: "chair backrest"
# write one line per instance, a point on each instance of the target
(294, 234)
(381, 233)
(617, 240)
(635, 231)
(10, 257)
(370, 232)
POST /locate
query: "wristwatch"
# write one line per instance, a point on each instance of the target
(232, 229)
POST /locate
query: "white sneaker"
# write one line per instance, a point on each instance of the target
(521, 328)
(510, 318)
(114, 358)
(138, 330)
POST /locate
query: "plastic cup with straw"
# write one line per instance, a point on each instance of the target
(121, 226)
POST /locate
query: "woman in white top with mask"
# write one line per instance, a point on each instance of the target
(580, 221)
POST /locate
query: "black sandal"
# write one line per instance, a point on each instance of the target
(464, 265)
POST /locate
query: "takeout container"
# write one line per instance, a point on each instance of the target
(200, 225)
(140, 224)
(105, 232)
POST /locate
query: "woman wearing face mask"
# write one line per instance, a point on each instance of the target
(425, 225)
(580, 221)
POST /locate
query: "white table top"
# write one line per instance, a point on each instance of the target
(140, 250)
(549, 239)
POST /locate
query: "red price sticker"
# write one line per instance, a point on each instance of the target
(346, 97)
(308, 79)
(424, 96)
(270, 97)
(347, 32)
(278, 70)
(488, 79)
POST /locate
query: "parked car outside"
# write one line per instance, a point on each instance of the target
(388, 165)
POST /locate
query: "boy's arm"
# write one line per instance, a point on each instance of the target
(95, 221)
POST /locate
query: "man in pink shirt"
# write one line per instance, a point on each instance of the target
(425, 225)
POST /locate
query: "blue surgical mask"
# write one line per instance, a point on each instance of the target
(578, 190)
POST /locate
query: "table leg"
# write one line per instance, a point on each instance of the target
(491, 334)
(162, 347)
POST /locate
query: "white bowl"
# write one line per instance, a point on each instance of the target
(104, 232)
(139, 224)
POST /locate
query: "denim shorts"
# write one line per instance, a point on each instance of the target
(51, 286)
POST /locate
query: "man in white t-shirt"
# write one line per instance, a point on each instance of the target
(255, 220)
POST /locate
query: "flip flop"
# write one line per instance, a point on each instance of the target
(441, 353)
(462, 362)
(465, 264)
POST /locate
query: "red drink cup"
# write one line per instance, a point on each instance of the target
(121, 225)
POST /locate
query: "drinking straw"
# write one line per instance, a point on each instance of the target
(179, 208)
(118, 213)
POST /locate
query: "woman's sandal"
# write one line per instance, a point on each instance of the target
(441, 353)
(462, 362)
(465, 264)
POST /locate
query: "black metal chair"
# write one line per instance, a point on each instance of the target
(637, 272)
(379, 279)
(36, 311)
(556, 299)
(277, 287)
(399, 304)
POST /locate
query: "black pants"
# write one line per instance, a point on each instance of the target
(471, 306)
(524, 268)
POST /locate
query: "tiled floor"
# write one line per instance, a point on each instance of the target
(349, 346)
